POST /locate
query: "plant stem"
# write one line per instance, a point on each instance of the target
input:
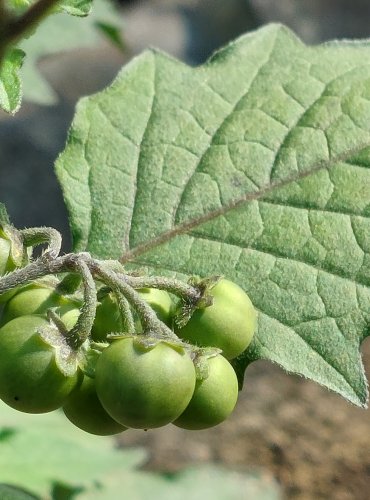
(37, 269)
(148, 318)
(126, 314)
(38, 235)
(69, 284)
(82, 329)
(51, 315)
(12, 29)
(15, 28)
(174, 286)
(121, 284)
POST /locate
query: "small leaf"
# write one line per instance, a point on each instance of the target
(89, 357)
(255, 166)
(10, 83)
(188, 305)
(66, 358)
(17, 251)
(76, 7)
(60, 33)
(112, 33)
(18, 6)
(64, 491)
(4, 217)
(73, 7)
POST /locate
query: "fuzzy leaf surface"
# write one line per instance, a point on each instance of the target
(4, 217)
(10, 82)
(255, 166)
(76, 7)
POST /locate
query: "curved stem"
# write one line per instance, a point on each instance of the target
(58, 322)
(37, 269)
(38, 235)
(69, 284)
(174, 286)
(82, 329)
(126, 313)
(12, 29)
(148, 318)
(121, 284)
(16, 28)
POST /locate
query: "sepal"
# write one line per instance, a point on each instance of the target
(200, 361)
(188, 305)
(66, 358)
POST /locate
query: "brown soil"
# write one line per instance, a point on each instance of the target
(313, 442)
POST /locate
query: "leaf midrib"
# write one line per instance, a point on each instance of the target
(185, 227)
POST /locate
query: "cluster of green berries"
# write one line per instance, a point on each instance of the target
(138, 381)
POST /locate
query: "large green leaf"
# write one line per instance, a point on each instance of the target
(256, 166)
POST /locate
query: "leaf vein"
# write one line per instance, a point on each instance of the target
(140, 158)
(227, 117)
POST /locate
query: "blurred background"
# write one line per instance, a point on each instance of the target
(313, 443)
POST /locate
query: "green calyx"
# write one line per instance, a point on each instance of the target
(12, 251)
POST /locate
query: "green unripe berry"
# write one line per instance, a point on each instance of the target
(229, 323)
(85, 411)
(159, 301)
(144, 387)
(108, 319)
(30, 379)
(35, 299)
(214, 398)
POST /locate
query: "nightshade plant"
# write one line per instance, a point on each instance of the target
(254, 166)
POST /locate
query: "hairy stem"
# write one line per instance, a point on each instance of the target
(69, 284)
(81, 264)
(148, 318)
(82, 329)
(174, 286)
(39, 235)
(126, 313)
(37, 269)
